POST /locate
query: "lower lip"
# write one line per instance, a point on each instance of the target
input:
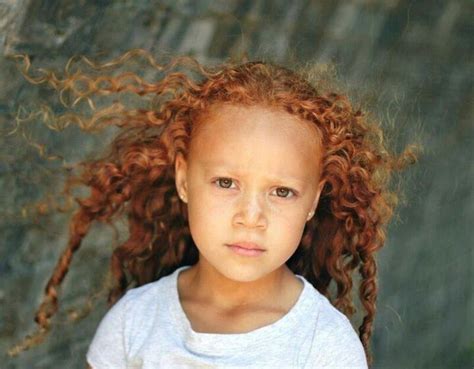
(246, 252)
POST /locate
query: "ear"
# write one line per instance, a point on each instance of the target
(316, 198)
(180, 169)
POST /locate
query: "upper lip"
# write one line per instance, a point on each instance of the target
(247, 245)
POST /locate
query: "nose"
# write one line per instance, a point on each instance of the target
(251, 212)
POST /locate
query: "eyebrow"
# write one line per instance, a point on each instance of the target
(217, 165)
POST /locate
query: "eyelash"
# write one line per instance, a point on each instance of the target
(229, 179)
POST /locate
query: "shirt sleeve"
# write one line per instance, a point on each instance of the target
(340, 348)
(107, 349)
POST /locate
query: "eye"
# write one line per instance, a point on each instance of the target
(223, 182)
(285, 191)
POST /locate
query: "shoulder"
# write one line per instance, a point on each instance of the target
(336, 343)
(332, 320)
(125, 325)
(140, 302)
(136, 297)
(133, 299)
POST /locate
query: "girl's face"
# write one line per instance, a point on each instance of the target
(252, 175)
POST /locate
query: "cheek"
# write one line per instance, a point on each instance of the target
(207, 208)
(290, 229)
(207, 219)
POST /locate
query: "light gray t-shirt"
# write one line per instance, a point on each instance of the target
(148, 329)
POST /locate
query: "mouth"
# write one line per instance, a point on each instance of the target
(247, 246)
(246, 249)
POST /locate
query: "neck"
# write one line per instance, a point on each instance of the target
(212, 288)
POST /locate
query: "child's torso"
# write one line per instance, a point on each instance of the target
(149, 328)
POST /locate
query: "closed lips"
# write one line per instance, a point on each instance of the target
(247, 245)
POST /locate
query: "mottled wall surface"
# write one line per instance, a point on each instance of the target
(413, 57)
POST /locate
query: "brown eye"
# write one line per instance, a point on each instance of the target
(283, 191)
(224, 182)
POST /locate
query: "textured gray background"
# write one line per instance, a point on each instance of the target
(414, 58)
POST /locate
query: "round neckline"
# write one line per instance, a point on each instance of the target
(211, 343)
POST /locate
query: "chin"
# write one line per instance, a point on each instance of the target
(242, 273)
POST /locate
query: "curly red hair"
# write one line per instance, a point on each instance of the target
(136, 178)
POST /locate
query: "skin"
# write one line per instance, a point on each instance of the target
(261, 155)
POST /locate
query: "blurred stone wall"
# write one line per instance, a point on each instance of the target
(414, 58)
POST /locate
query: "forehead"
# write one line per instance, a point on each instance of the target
(255, 137)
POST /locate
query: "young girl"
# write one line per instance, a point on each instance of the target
(247, 191)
